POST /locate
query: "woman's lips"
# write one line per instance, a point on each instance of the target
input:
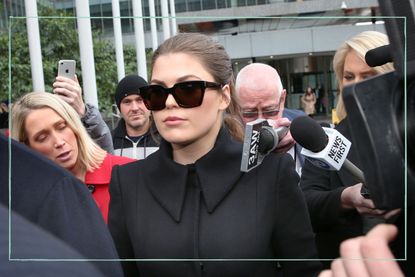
(173, 120)
(65, 156)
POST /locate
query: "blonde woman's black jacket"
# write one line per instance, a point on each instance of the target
(211, 210)
(322, 190)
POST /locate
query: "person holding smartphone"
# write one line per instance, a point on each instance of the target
(67, 87)
(189, 199)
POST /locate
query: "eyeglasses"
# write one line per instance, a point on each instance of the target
(254, 114)
(187, 94)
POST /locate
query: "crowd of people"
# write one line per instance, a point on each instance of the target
(167, 180)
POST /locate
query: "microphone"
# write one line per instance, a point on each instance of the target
(324, 147)
(260, 139)
(379, 56)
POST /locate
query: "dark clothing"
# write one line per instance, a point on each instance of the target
(4, 120)
(292, 113)
(402, 246)
(55, 200)
(125, 146)
(28, 241)
(322, 190)
(97, 128)
(211, 210)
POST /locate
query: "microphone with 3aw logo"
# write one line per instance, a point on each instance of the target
(324, 147)
(260, 140)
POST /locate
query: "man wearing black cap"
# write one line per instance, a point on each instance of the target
(134, 135)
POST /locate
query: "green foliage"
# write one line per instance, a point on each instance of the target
(59, 40)
(20, 70)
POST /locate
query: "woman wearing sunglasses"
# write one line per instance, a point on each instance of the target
(189, 200)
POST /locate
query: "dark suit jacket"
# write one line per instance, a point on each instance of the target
(210, 209)
(52, 198)
(322, 190)
(291, 114)
(29, 241)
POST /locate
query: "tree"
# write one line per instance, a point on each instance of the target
(59, 40)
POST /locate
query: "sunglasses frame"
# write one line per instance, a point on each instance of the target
(202, 85)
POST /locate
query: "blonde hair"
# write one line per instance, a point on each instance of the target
(213, 56)
(361, 43)
(90, 155)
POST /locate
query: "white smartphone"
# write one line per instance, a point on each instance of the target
(66, 68)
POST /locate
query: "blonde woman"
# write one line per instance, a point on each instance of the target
(337, 208)
(49, 125)
(350, 66)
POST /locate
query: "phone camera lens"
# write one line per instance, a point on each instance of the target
(67, 70)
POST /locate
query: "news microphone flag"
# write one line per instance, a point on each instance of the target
(333, 155)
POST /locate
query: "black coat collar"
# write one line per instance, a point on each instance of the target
(218, 171)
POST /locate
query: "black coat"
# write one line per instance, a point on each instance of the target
(54, 199)
(322, 190)
(124, 146)
(210, 210)
(29, 241)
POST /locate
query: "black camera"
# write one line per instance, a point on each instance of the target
(381, 113)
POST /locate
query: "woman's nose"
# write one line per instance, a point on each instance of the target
(170, 101)
(59, 142)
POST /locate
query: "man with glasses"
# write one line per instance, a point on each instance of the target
(261, 95)
(133, 136)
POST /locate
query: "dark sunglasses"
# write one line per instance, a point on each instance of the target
(187, 94)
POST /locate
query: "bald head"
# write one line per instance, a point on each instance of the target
(259, 88)
(258, 76)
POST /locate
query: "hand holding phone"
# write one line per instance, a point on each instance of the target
(68, 88)
(66, 68)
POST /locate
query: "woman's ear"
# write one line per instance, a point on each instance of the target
(226, 97)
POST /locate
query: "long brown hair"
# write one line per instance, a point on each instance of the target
(213, 56)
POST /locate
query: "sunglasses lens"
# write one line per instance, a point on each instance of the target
(154, 97)
(189, 94)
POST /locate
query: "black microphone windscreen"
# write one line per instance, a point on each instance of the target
(308, 133)
(325, 124)
(266, 142)
(378, 56)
